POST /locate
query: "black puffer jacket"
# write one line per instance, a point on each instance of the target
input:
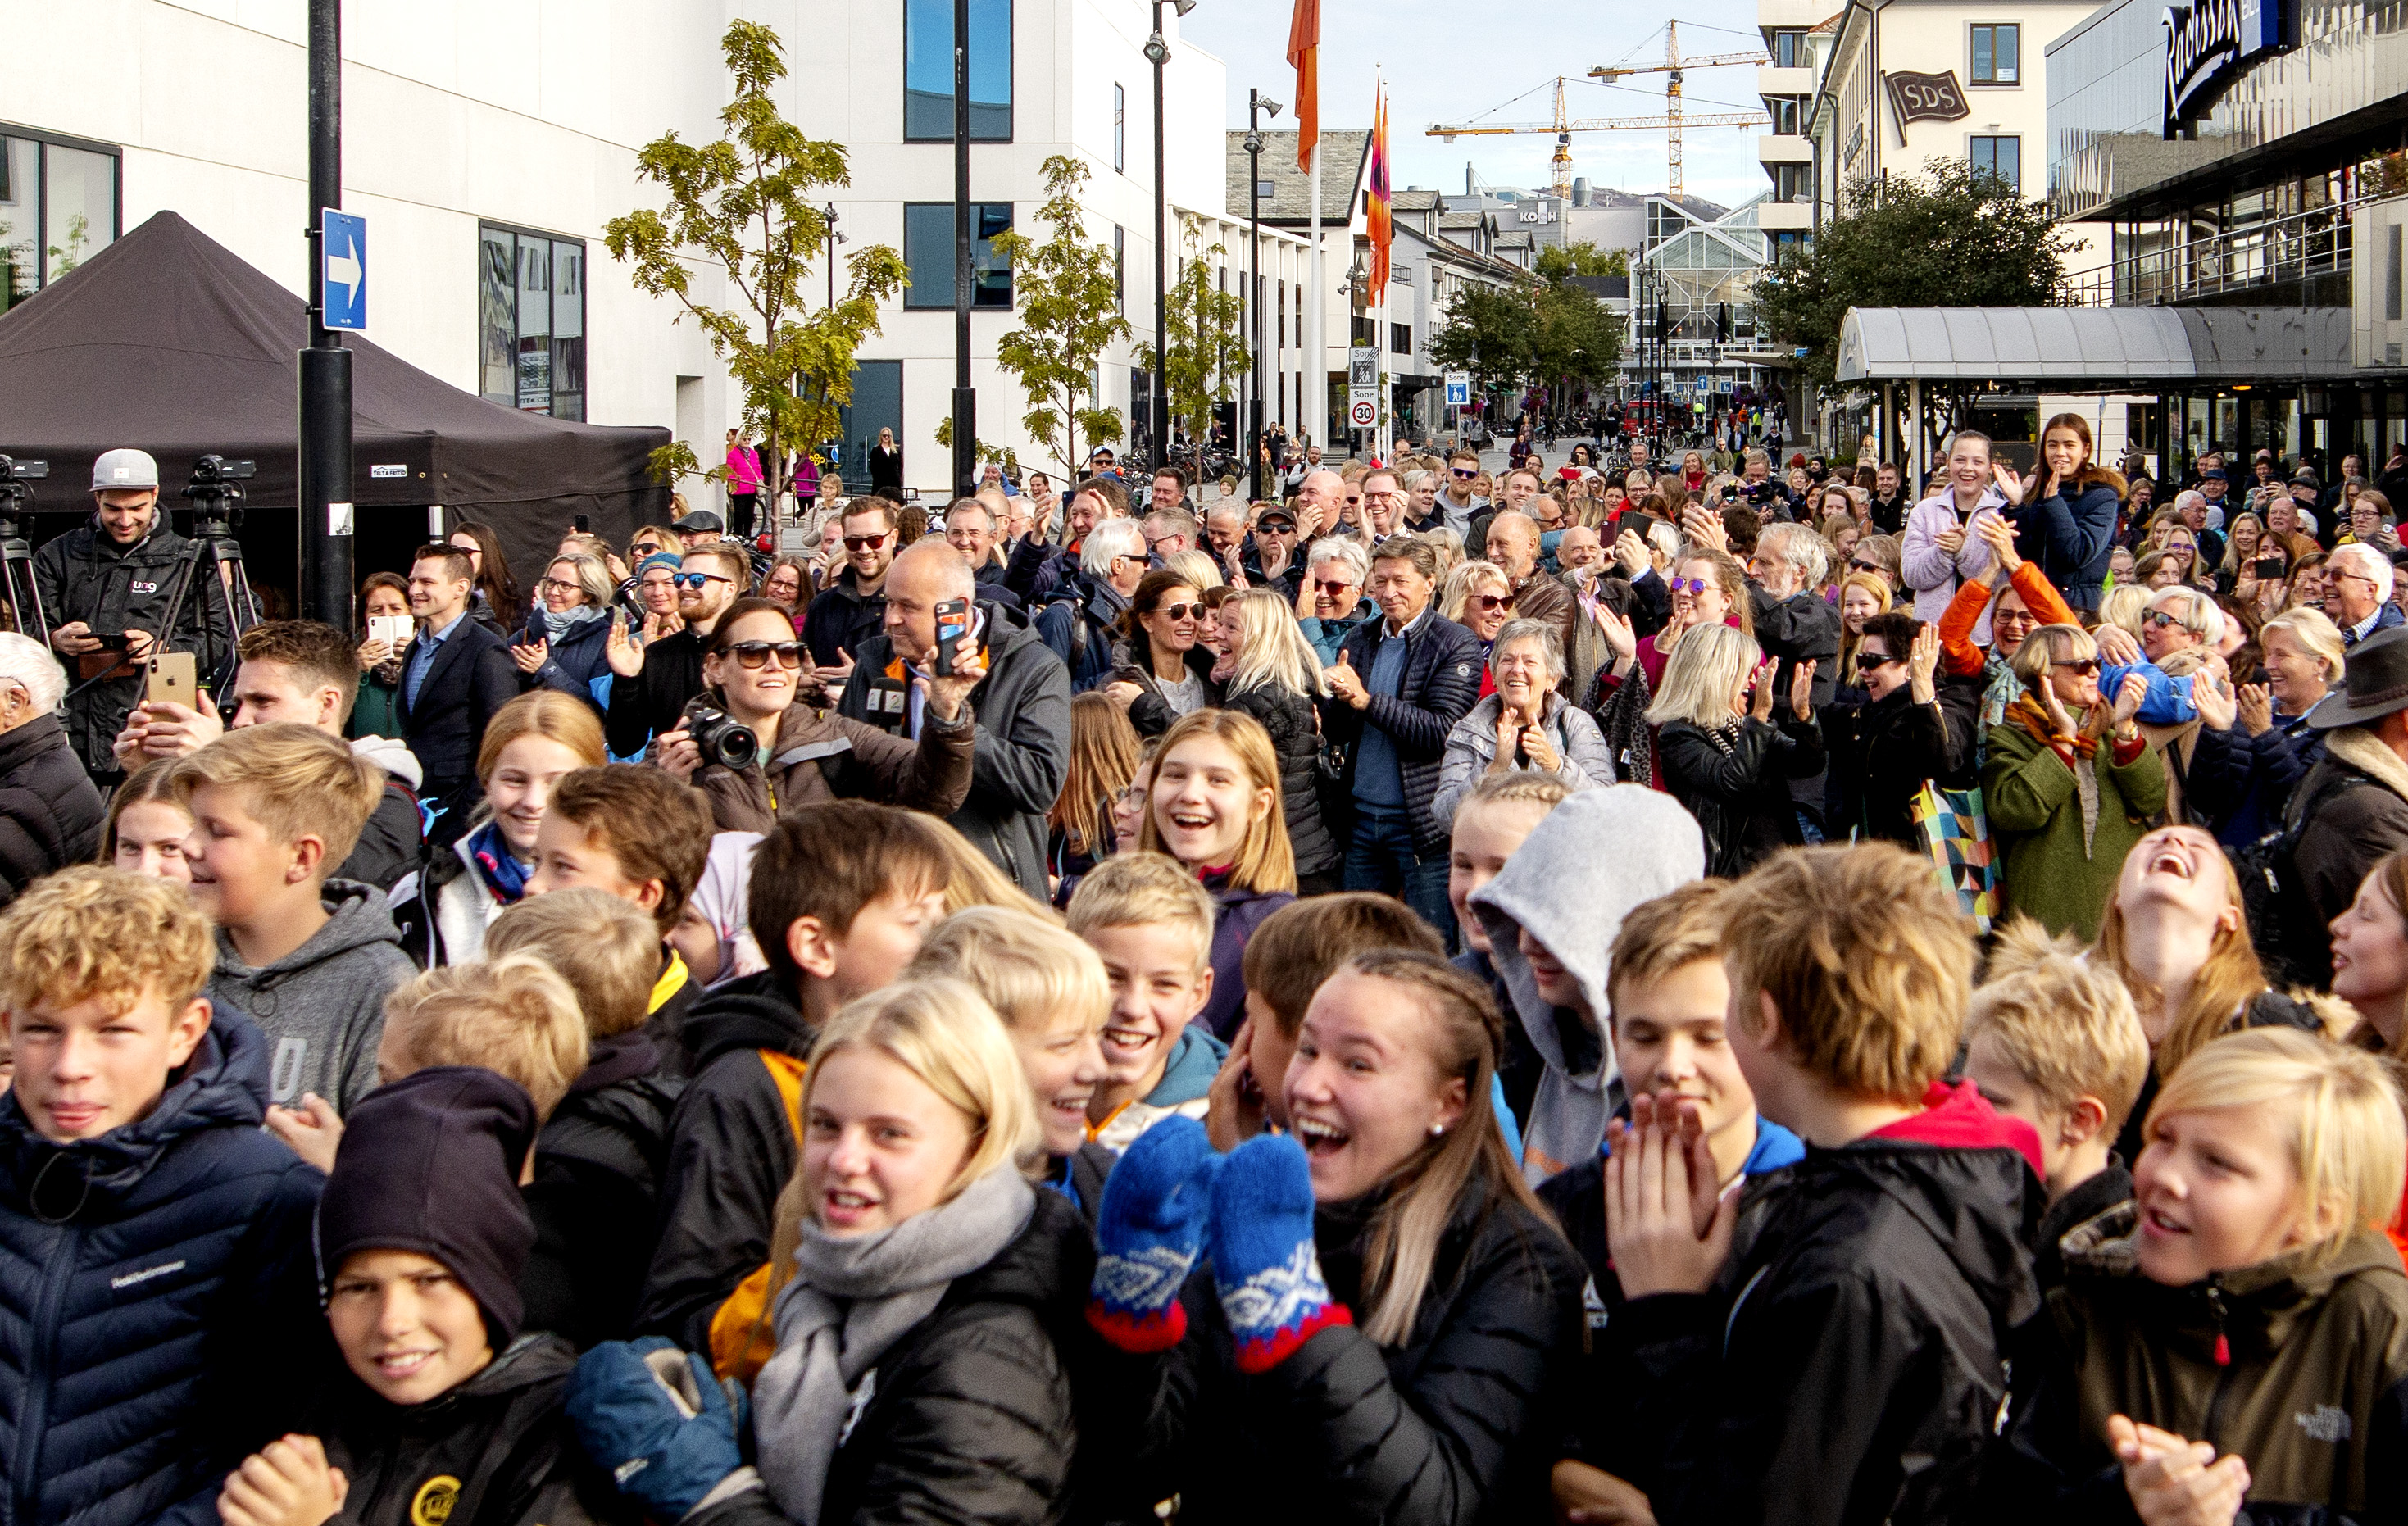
(85, 575)
(51, 815)
(1735, 780)
(598, 1164)
(1448, 1429)
(1882, 750)
(1443, 665)
(1151, 712)
(973, 1416)
(1288, 717)
(157, 1299)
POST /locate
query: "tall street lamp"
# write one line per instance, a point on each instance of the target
(1257, 102)
(1158, 53)
(965, 398)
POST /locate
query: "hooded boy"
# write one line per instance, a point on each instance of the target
(1551, 917)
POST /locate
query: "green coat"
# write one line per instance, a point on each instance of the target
(377, 710)
(2035, 815)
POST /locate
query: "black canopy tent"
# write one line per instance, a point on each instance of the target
(166, 341)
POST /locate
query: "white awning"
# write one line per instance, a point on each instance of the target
(2072, 345)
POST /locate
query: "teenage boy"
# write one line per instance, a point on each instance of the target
(451, 1415)
(1844, 1366)
(154, 1243)
(840, 897)
(1297, 947)
(310, 957)
(633, 832)
(1551, 921)
(296, 670)
(2053, 1039)
(1152, 924)
(455, 675)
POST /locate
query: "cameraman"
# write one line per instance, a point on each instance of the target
(114, 576)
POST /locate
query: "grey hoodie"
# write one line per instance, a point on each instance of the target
(322, 1005)
(1594, 859)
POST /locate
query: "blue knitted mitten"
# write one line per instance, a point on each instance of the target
(1263, 1259)
(1148, 1234)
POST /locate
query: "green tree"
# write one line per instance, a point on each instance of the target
(1954, 236)
(1067, 301)
(1556, 265)
(1578, 338)
(742, 208)
(1491, 330)
(1206, 327)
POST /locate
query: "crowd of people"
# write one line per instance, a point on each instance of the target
(1649, 996)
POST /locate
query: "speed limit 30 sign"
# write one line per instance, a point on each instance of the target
(1363, 413)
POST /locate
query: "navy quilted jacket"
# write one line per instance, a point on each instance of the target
(158, 1306)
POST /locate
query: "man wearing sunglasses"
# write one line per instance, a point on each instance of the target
(850, 609)
(1456, 501)
(1022, 754)
(653, 682)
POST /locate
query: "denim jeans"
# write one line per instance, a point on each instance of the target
(1379, 856)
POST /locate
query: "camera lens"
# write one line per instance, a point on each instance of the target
(722, 739)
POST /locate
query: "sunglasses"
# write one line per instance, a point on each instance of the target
(1491, 603)
(1860, 565)
(644, 549)
(1690, 585)
(864, 543)
(2088, 665)
(695, 580)
(1872, 662)
(2159, 619)
(754, 655)
(1182, 611)
(1335, 590)
(1276, 527)
(1461, 473)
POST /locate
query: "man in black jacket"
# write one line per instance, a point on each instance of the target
(455, 675)
(652, 683)
(114, 576)
(850, 611)
(1401, 683)
(1022, 753)
(1890, 504)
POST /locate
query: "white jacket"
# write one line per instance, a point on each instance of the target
(1933, 572)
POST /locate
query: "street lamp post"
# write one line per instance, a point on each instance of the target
(1257, 102)
(964, 396)
(1158, 53)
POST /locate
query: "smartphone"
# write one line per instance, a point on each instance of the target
(1639, 524)
(953, 627)
(2270, 568)
(169, 678)
(394, 628)
(112, 640)
(583, 526)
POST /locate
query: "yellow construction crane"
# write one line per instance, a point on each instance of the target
(1675, 65)
(1565, 125)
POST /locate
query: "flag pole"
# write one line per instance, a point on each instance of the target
(1316, 350)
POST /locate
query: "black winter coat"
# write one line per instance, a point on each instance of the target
(85, 575)
(2071, 532)
(1735, 783)
(974, 1417)
(598, 1164)
(392, 844)
(1021, 756)
(1881, 751)
(1289, 717)
(654, 701)
(1450, 1428)
(497, 1451)
(731, 1149)
(1150, 713)
(157, 1298)
(573, 662)
(470, 677)
(840, 619)
(51, 815)
(1442, 684)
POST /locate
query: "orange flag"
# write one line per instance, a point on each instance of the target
(1304, 52)
(1382, 227)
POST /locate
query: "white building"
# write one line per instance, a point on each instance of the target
(489, 141)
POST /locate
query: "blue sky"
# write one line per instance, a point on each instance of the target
(1442, 65)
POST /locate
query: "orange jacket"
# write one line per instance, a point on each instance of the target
(1959, 656)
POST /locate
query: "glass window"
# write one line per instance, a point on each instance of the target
(1401, 338)
(928, 253)
(531, 321)
(1789, 49)
(1120, 268)
(1120, 128)
(2001, 156)
(1994, 55)
(928, 71)
(58, 208)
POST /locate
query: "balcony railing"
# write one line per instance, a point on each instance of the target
(2301, 247)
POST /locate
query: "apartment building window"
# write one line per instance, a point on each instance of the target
(58, 207)
(531, 321)
(928, 71)
(1359, 331)
(1401, 338)
(1792, 182)
(2001, 156)
(1995, 47)
(1786, 111)
(1789, 49)
(928, 252)
(1120, 129)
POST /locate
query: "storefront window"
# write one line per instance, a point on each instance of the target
(58, 208)
(531, 321)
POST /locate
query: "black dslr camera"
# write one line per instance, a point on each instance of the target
(723, 739)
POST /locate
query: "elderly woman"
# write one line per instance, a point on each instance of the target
(1329, 597)
(51, 815)
(2242, 774)
(2069, 783)
(1479, 596)
(1524, 725)
(563, 645)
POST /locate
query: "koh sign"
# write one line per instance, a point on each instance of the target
(2207, 45)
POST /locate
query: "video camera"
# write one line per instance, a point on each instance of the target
(217, 502)
(16, 499)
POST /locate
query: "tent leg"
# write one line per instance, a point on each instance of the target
(1915, 450)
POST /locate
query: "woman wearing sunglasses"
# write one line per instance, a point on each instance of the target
(2070, 782)
(757, 674)
(1166, 670)
(1479, 596)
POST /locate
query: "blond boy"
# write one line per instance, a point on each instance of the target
(1152, 924)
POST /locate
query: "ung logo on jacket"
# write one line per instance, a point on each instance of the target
(432, 1505)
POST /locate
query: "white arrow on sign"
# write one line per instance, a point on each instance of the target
(343, 270)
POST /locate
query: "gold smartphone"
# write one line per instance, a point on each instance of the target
(169, 678)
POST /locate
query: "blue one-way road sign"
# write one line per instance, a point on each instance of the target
(342, 270)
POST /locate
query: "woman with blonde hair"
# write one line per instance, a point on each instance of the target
(1721, 752)
(1103, 759)
(1862, 595)
(910, 1242)
(1216, 808)
(2241, 777)
(1479, 596)
(1275, 676)
(561, 648)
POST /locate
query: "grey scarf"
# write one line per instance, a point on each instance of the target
(850, 1300)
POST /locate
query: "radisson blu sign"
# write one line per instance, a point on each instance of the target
(2208, 45)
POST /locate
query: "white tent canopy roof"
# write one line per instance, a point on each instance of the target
(2069, 345)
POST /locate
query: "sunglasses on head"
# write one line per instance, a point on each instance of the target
(1182, 611)
(695, 580)
(864, 543)
(752, 655)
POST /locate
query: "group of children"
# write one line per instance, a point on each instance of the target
(1668, 1200)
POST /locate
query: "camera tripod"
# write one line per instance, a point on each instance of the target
(17, 584)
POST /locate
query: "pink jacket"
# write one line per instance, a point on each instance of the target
(743, 469)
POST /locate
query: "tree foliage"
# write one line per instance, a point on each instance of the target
(1206, 329)
(1954, 236)
(1559, 264)
(1067, 301)
(743, 209)
(1555, 335)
